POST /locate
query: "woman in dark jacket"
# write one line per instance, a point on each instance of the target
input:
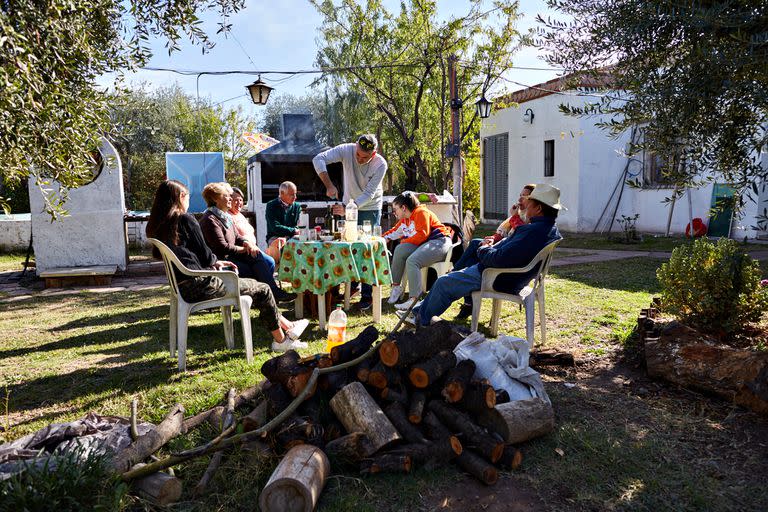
(220, 235)
(170, 223)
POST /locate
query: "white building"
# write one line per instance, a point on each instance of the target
(536, 143)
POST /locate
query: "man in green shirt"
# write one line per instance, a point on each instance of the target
(282, 218)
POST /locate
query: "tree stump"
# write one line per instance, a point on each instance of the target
(519, 420)
(358, 412)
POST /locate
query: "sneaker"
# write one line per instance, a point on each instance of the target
(395, 294)
(405, 305)
(298, 329)
(465, 311)
(288, 344)
(283, 296)
(408, 318)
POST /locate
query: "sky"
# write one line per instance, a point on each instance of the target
(281, 35)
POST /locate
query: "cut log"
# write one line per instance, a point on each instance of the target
(397, 415)
(333, 382)
(277, 397)
(511, 458)
(416, 407)
(474, 437)
(288, 371)
(256, 418)
(520, 420)
(363, 369)
(551, 358)
(297, 481)
(386, 463)
(477, 467)
(159, 488)
(358, 412)
(381, 376)
(428, 372)
(406, 348)
(682, 356)
(352, 447)
(429, 455)
(399, 394)
(457, 379)
(297, 430)
(213, 416)
(150, 442)
(433, 427)
(478, 397)
(356, 347)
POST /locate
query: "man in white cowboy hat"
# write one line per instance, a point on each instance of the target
(516, 251)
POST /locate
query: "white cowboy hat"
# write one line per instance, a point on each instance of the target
(547, 194)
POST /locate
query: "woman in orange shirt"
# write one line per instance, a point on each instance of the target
(423, 240)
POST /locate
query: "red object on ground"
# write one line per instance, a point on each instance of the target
(699, 228)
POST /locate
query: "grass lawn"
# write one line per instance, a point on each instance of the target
(12, 261)
(626, 443)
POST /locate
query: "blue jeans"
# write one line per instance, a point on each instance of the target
(469, 257)
(260, 267)
(374, 216)
(446, 290)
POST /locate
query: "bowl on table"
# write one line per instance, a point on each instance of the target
(326, 238)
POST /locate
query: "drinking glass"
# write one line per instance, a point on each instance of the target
(340, 225)
(320, 221)
(367, 228)
(377, 231)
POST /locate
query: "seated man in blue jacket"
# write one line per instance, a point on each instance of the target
(516, 251)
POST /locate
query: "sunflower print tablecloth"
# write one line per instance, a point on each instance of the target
(319, 266)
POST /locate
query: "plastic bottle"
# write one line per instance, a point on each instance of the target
(337, 328)
(350, 227)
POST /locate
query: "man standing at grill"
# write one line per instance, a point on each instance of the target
(364, 171)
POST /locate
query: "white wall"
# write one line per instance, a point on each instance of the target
(14, 231)
(93, 232)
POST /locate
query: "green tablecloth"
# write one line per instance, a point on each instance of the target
(319, 266)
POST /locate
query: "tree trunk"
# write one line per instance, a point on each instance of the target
(381, 376)
(159, 488)
(386, 463)
(520, 420)
(406, 348)
(478, 398)
(352, 447)
(399, 394)
(358, 412)
(397, 415)
(474, 436)
(256, 418)
(416, 407)
(297, 481)
(511, 459)
(150, 442)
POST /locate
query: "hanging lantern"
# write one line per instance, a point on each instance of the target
(483, 107)
(259, 91)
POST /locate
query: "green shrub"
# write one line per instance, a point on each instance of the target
(73, 482)
(714, 287)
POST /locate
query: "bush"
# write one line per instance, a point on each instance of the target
(714, 287)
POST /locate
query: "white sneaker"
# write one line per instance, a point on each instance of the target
(288, 344)
(405, 305)
(410, 319)
(395, 294)
(298, 328)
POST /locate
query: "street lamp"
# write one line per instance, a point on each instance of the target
(483, 107)
(259, 91)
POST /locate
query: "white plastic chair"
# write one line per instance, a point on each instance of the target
(180, 309)
(441, 267)
(526, 298)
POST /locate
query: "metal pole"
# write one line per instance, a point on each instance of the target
(454, 149)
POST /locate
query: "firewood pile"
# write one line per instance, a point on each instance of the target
(410, 404)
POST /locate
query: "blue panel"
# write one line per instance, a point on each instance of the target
(195, 170)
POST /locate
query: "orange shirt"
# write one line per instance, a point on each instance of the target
(420, 226)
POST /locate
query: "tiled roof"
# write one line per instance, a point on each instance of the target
(568, 82)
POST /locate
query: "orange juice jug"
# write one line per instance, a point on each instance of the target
(337, 328)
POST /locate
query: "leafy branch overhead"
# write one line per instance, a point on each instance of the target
(51, 54)
(694, 75)
(398, 61)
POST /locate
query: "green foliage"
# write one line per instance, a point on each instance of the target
(713, 286)
(71, 482)
(471, 188)
(146, 124)
(693, 74)
(398, 61)
(52, 52)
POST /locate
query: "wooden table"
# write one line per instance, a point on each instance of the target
(317, 267)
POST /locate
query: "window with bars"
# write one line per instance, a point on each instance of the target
(549, 158)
